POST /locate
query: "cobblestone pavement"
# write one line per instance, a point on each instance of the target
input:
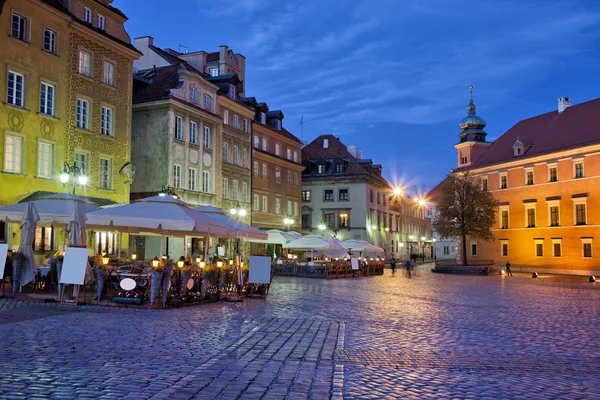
(432, 336)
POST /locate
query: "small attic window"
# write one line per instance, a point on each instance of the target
(325, 143)
(518, 151)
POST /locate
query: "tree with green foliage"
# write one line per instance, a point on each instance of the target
(465, 209)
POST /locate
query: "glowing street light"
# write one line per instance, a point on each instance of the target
(397, 191)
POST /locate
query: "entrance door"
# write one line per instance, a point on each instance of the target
(139, 246)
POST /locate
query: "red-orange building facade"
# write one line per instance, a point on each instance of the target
(545, 173)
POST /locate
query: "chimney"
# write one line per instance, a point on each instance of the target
(351, 149)
(563, 103)
(358, 153)
(143, 42)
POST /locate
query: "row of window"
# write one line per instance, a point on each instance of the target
(192, 179)
(14, 150)
(21, 29)
(539, 248)
(233, 157)
(579, 213)
(235, 122)
(194, 98)
(338, 168)
(328, 195)
(85, 68)
(529, 177)
(291, 155)
(178, 133)
(15, 97)
(331, 219)
(257, 205)
(379, 197)
(235, 191)
(292, 178)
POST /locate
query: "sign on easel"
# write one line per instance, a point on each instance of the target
(73, 270)
(3, 253)
(354, 262)
(260, 270)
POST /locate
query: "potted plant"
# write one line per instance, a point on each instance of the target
(18, 261)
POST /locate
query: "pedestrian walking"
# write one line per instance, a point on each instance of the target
(508, 271)
(408, 266)
(393, 265)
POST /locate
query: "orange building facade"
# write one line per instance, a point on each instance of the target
(545, 174)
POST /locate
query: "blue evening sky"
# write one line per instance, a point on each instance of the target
(392, 76)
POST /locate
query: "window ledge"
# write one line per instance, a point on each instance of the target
(13, 173)
(49, 52)
(47, 115)
(45, 178)
(83, 130)
(88, 77)
(7, 104)
(110, 137)
(19, 40)
(106, 85)
(112, 190)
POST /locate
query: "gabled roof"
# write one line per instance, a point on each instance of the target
(315, 152)
(170, 56)
(275, 114)
(576, 126)
(157, 86)
(214, 56)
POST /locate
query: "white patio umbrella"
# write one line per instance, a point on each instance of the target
(275, 236)
(237, 228)
(308, 242)
(336, 248)
(52, 209)
(29, 268)
(77, 235)
(354, 245)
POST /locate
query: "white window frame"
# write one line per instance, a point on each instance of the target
(500, 210)
(87, 15)
(177, 176)
(502, 243)
(236, 121)
(82, 157)
(265, 204)
(550, 166)
(295, 179)
(277, 149)
(487, 183)
(232, 92)
(578, 161)
(295, 156)
(245, 192)
(263, 118)
(51, 46)
(226, 152)
(17, 151)
(471, 249)
(101, 21)
(45, 164)
(226, 188)
(277, 174)
(255, 168)
(277, 206)
(529, 206)
(236, 155)
(178, 128)
(18, 100)
(214, 71)
(527, 171)
(535, 244)
(193, 133)
(587, 241)
(256, 142)
(108, 73)
(235, 188)
(265, 144)
(206, 184)
(82, 114)
(289, 154)
(109, 181)
(255, 203)
(107, 121)
(24, 26)
(192, 179)
(245, 125)
(193, 95)
(559, 242)
(207, 138)
(295, 209)
(85, 63)
(47, 98)
(289, 207)
(578, 201)
(207, 102)
(226, 117)
(500, 175)
(245, 158)
(265, 171)
(549, 205)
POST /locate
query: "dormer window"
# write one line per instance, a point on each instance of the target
(340, 168)
(278, 124)
(325, 143)
(321, 168)
(518, 151)
(232, 92)
(263, 118)
(214, 71)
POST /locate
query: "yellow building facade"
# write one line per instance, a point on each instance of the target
(66, 101)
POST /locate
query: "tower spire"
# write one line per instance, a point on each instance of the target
(471, 109)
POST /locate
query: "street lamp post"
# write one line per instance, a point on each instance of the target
(75, 172)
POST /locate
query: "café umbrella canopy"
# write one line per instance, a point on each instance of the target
(77, 234)
(238, 228)
(275, 236)
(29, 268)
(53, 209)
(308, 242)
(162, 215)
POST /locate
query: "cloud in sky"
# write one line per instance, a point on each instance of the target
(397, 69)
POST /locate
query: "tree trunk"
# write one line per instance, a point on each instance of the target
(464, 249)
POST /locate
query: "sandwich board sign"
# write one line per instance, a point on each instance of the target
(260, 270)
